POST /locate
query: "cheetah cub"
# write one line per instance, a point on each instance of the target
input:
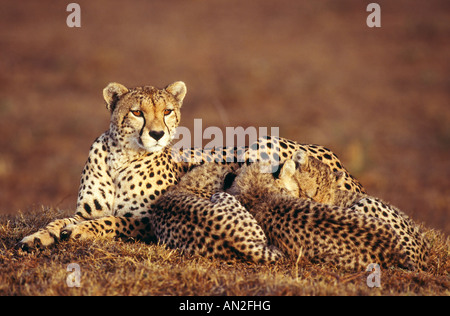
(186, 218)
(323, 233)
(315, 180)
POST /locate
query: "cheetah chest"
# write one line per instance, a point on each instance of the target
(139, 185)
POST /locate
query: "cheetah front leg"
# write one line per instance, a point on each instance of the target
(95, 199)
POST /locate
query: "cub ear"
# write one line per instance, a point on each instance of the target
(178, 90)
(112, 93)
(300, 158)
(288, 169)
(339, 177)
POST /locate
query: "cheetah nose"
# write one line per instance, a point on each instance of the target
(156, 134)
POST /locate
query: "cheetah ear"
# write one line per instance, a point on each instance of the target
(300, 158)
(112, 93)
(288, 169)
(339, 177)
(178, 90)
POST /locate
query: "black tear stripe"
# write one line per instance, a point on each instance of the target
(143, 125)
(168, 130)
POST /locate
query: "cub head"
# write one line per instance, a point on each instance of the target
(315, 179)
(144, 118)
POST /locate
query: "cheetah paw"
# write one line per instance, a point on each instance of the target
(38, 240)
(300, 158)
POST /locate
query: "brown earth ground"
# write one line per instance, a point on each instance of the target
(378, 97)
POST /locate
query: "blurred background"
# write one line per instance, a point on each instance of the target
(378, 97)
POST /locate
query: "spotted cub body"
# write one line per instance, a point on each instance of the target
(197, 217)
(321, 233)
(316, 181)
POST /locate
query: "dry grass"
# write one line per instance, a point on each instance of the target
(118, 267)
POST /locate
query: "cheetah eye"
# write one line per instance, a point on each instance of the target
(137, 113)
(167, 111)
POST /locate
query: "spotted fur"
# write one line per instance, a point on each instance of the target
(197, 217)
(322, 233)
(316, 181)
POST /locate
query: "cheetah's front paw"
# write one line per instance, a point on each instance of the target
(41, 239)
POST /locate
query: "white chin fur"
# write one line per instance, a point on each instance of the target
(151, 145)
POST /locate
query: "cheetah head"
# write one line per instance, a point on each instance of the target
(253, 178)
(315, 180)
(144, 118)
